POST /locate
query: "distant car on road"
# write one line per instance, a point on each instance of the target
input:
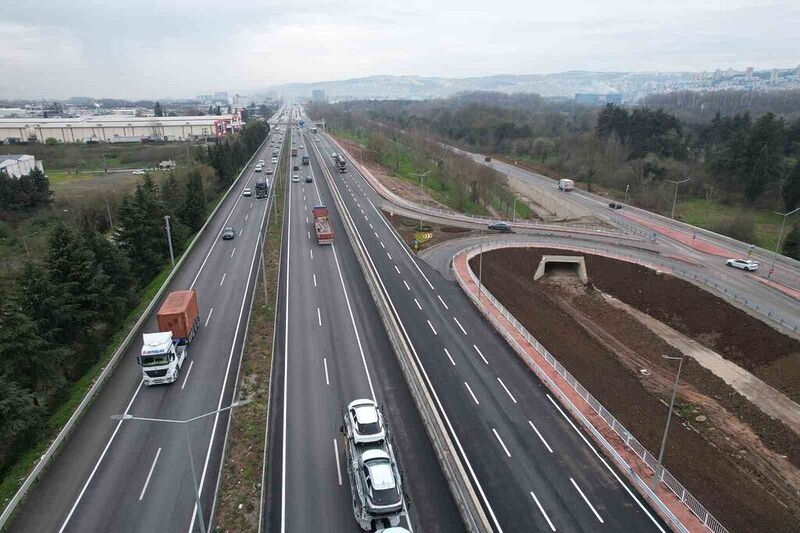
(259, 168)
(295, 179)
(487, 159)
(309, 179)
(295, 167)
(615, 205)
(139, 172)
(228, 233)
(744, 264)
(502, 227)
(247, 192)
(269, 170)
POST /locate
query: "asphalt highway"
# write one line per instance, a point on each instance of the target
(136, 476)
(331, 348)
(533, 469)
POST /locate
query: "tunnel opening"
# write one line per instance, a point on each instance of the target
(563, 269)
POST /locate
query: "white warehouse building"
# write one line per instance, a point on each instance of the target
(16, 166)
(116, 128)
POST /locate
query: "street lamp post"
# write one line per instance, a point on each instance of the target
(626, 192)
(675, 199)
(659, 472)
(421, 189)
(783, 225)
(185, 424)
(169, 241)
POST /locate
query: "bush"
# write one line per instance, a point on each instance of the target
(741, 227)
(51, 141)
(791, 246)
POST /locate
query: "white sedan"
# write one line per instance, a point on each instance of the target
(744, 264)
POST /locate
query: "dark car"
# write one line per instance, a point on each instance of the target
(487, 159)
(228, 233)
(295, 167)
(308, 179)
(615, 205)
(501, 227)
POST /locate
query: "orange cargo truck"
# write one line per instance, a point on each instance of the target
(180, 315)
(322, 225)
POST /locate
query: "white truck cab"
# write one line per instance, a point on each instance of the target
(161, 358)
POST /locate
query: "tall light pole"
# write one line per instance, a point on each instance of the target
(185, 424)
(783, 225)
(659, 472)
(169, 241)
(626, 192)
(675, 199)
(421, 189)
(25, 241)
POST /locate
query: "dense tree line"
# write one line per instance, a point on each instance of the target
(738, 159)
(228, 156)
(56, 321)
(25, 193)
(702, 106)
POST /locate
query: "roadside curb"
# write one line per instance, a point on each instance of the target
(99, 383)
(682, 516)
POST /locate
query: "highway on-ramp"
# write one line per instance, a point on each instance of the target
(331, 348)
(135, 476)
(532, 468)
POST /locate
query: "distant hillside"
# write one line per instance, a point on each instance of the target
(632, 85)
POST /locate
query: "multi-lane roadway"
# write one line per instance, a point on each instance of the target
(331, 349)
(532, 468)
(135, 476)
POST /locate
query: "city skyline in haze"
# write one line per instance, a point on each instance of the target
(179, 49)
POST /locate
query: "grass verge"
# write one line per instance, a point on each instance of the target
(239, 495)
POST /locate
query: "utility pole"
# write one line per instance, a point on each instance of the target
(626, 192)
(421, 189)
(514, 214)
(169, 240)
(659, 472)
(675, 199)
(108, 212)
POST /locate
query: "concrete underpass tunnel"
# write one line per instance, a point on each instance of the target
(562, 266)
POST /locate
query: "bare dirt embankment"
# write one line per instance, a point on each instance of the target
(740, 463)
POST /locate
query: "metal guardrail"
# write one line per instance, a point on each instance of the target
(666, 477)
(69, 426)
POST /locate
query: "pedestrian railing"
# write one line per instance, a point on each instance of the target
(627, 437)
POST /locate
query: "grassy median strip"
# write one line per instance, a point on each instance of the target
(239, 496)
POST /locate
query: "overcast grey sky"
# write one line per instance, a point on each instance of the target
(174, 48)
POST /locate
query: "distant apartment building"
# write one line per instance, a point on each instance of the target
(117, 128)
(16, 166)
(598, 99)
(318, 96)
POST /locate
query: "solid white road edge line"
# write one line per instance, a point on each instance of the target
(605, 463)
(99, 460)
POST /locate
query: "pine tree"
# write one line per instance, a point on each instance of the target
(48, 305)
(141, 232)
(21, 419)
(791, 246)
(791, 189)
(24, 355)
(117, 268)
(72, 265)
(193, 213)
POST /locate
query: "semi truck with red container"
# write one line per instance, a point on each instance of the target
(164, 351)
(322, 225)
